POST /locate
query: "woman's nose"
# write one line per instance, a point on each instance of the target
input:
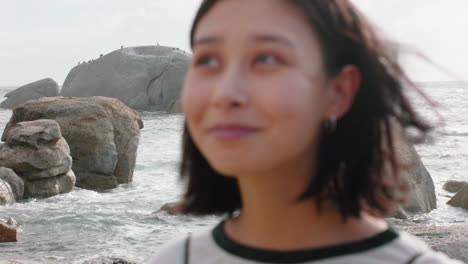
(230, 90)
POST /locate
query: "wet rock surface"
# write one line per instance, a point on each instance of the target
(39, 155)
(102, 133)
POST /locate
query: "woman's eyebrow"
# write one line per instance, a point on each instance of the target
(207, 40)
(272, 38)
(255, 37)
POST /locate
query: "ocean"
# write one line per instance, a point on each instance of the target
(125, 221)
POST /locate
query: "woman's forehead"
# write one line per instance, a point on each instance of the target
(254, 20)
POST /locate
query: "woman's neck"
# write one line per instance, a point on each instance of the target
(273, 218)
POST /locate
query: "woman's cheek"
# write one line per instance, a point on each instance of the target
(193, 97)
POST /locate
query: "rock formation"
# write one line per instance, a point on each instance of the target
(173, 208)
(37, 152)
(422, 197)
(32, 91)
(15, 182)
(7, 233)
(145, 78)
(453, 186)
(103, 135)
(6, 193)
(460, 199)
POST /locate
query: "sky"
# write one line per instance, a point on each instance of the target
(46, 38)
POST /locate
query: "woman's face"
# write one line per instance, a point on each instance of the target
(256, 96)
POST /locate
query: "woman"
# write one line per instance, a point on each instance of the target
(290, 109)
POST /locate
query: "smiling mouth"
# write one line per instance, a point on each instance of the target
(226, 132)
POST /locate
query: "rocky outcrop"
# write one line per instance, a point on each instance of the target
(460, 199)
(453, 186)
(421, 197)
(15, 182)
(7, 233)
(173, 208)
(103, 135)
(52, 186)
(145, 78)
(109, 260)
(6, 193)
(32, 91)
(37, 152)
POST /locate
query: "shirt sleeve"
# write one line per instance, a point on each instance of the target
(433, 257)
(172, 252)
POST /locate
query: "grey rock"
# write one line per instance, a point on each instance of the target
(12, 222)
(35, 90)
(173, 208)
(102, 133)
(33, 133)
(48, 187)
(109, 260)
(66, 182)
(6, 194)
(460, 199)
(421, 197)
(147, 78)
(16, 183)
(32, 164)
(453, 186)
(40, 156)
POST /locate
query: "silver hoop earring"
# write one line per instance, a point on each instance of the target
(330, 125)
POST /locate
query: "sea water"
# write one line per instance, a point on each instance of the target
(125, 221)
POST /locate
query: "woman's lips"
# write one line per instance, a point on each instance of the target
(232, 131)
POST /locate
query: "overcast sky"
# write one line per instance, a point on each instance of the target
(46, 38)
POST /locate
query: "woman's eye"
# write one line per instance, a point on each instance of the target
(209, 61)
(267, 59)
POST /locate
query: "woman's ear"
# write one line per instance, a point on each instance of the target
(345, 87)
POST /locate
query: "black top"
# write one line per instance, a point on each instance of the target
(295, 256)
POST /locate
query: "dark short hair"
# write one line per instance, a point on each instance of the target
(351, 159)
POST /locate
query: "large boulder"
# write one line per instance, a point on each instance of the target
(6, 193)
(145, 78)
(16, 183)
(35, 90)
(38, 153)
(453, 186)
(421, 197)
(7, 233)
(103, 135)
(460, 199)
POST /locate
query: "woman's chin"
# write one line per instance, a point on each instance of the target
(232, 169)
